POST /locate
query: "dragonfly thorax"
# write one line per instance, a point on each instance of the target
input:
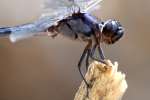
(78, 26)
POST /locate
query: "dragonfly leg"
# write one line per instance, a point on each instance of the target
(93, 51)
(100, 53)
(86, 51)
(97, 46)
(87, 58)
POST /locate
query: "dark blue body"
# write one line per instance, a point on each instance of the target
(79, 25)
(4, 31)
(91, 22)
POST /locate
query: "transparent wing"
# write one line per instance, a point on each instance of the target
(58, 10)
(88, 5)
(53, 7)
(31, 29)
(53, 11)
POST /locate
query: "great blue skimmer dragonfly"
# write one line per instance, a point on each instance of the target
(72, 19)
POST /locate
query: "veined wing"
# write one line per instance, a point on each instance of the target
(28, 30)
(53, 11)
(53, 7)
(88, 5)
(58, 10)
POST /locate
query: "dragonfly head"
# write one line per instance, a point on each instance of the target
(111, 31)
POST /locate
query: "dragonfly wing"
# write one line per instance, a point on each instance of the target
(52, 7)
(53, 11)
(56, 8)
(88, 5)
(31, 29)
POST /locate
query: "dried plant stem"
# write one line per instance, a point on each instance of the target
(106, 83)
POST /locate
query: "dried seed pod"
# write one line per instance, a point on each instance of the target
(107, 83)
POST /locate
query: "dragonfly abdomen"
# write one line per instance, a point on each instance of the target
(5, 31)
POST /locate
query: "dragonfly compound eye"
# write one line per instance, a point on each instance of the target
(112, 31)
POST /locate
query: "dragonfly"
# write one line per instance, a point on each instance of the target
(73, 19)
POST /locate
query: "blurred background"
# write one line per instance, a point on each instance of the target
(42, 68)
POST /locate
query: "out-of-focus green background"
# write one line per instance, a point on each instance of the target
(42, 68)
